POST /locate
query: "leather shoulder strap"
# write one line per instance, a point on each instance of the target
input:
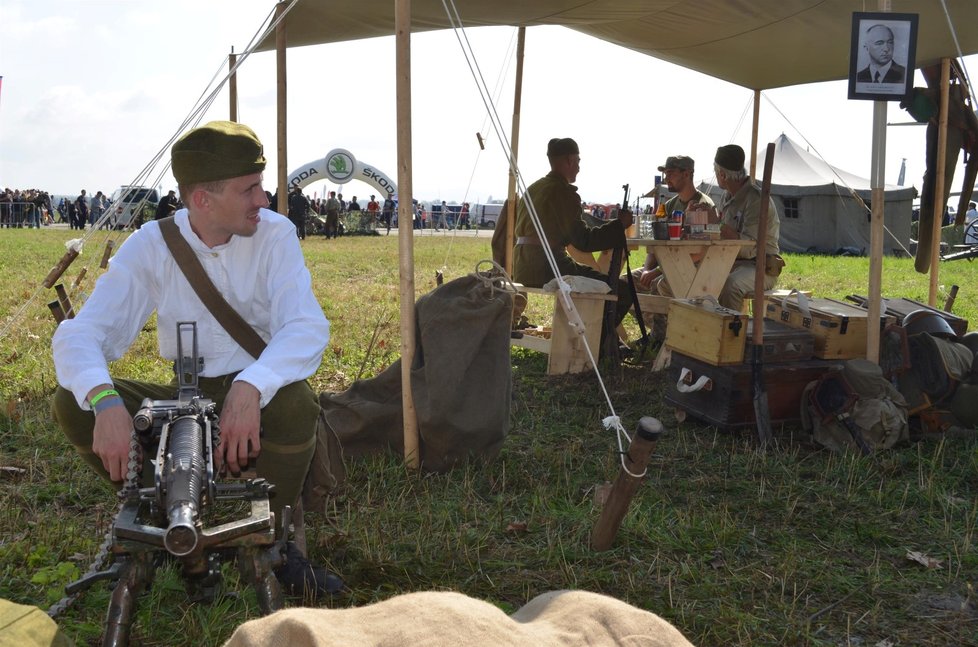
(228, 317)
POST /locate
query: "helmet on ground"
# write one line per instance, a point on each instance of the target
(924, 320)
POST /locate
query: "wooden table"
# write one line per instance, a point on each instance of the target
(686, 278)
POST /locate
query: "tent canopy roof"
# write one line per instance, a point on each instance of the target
(759, 44)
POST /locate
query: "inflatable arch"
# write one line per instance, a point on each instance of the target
(339, 167)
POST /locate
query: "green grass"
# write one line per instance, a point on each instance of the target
(795, 546)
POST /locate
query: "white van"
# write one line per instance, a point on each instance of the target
(129, 201)
(486, 215)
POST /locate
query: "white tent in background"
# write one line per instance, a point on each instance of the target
(817, 209)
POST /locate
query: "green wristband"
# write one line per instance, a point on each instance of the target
(99, 396)
(108, 402)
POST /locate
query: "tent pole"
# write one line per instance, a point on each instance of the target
(877, 185)
(233, 86)
(753, 134)
(514, 146)
(283, 174)
(935, 255)
(405, 228)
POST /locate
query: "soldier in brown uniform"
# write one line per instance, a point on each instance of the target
(558, 206)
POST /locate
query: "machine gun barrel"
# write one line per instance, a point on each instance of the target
(185, 474)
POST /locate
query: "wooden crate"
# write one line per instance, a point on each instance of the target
(782, 343)
(900, 308)
(727, 402)
(703, 329)
(839, 328)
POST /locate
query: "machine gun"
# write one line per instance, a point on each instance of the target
(168, 520)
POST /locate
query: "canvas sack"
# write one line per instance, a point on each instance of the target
(858, 395)
(461, 381)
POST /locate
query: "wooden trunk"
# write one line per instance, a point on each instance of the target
(840, 328)
(900, 308)
(728, 402)
(707, 331)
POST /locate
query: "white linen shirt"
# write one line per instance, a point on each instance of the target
(263, 277)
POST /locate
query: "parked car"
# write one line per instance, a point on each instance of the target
(133, 205)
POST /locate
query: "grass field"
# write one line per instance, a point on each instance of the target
(794, 546)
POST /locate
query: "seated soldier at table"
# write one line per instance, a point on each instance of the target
(740, 209)
(678, 173)
(558, 207)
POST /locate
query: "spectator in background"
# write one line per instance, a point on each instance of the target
(332, 208)
(298, 210)
(388, 213)
(73, 214)
(438, 216)
(99, 203)
(971, 220)
(373, 209)
(82, 210)
(167, 206)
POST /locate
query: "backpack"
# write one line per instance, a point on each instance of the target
(855, 407)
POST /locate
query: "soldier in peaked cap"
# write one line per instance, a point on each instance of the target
(740, 210)
(558, 206)
(253, 258)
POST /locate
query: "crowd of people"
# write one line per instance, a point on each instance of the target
(25, 208)
(34, 208)
(333, 216)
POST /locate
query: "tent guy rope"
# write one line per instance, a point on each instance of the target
(564, 290)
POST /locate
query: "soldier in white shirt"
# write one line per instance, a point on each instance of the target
(267, 410)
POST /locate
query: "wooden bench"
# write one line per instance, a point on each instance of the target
(564, 346)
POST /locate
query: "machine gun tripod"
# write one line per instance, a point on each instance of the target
(167, 520)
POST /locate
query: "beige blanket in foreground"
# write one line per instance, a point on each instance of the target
(445, 619)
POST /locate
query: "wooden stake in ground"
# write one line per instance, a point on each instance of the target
(629, 478)
(762, 414)
(104, 263)
(60, 268)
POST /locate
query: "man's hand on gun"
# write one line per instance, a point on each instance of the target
(625, 216)
(240, 423)
(111, 440)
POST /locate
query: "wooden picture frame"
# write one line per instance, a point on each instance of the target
(882, 55)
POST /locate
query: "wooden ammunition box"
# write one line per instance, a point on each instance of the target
(782, 343)
(727, 399)
(839, 328)
(703, 329)
(900, 308)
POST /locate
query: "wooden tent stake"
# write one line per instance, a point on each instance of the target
(56, 310)
(60, 268)
(636, 460)
(105, 255)
(67, 310)
(80, 277)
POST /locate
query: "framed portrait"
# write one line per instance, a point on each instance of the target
(882, 55)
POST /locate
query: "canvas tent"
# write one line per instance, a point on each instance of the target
(760, 44)
(817, 209)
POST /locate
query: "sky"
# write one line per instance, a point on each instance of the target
(93, 91)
